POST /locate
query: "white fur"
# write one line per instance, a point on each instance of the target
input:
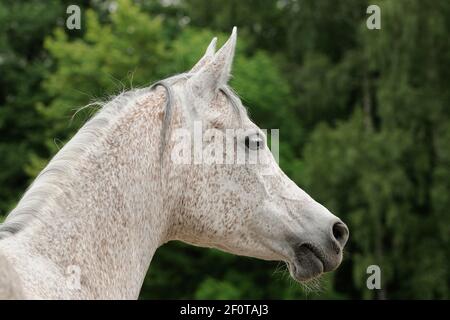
(112, 196)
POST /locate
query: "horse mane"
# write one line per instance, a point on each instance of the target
(47, 185)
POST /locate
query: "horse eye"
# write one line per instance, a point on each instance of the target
(254, 142)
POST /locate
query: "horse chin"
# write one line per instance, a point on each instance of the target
(304, 274)
(306, 266)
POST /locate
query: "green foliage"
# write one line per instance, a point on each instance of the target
(23, 25)
(378, 168)
(103, 61)
(363, 117)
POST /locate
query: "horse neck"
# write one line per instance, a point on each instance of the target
(106, 219)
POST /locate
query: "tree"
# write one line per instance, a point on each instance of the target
(23, 63)
(384, 168)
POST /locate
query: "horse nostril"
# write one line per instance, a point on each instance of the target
(340, 233)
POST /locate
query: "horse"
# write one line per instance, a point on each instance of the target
(90, 223)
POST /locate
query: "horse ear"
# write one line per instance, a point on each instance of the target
(215, 74)
(207, 57)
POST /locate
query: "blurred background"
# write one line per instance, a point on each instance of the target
(363, 118)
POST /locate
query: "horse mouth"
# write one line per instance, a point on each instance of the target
(308, 263)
